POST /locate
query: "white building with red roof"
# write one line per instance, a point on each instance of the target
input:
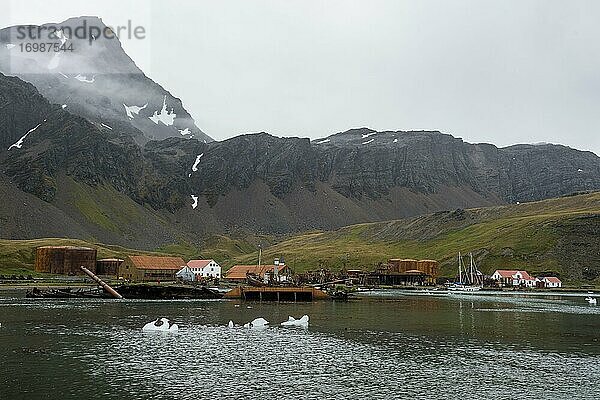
(205, 268)
(509, 277)
(549, 282)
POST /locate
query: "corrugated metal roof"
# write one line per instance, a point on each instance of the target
(153, 262)
(240, 271)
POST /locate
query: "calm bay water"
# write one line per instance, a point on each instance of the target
(387, 345)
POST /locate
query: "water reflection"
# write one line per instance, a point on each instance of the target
(386, 346)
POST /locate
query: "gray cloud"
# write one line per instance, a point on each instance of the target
(503, 72)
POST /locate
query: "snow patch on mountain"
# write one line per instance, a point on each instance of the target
(366, 135)
(323, 141)
(195, 166)
(164, 116)
(19, 143)
(131, 110)
(368, 141)
(84, 79)
(185, 131)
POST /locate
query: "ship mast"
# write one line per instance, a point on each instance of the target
(459, 268)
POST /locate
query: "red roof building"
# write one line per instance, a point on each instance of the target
(510, 277)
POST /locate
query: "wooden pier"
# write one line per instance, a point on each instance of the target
(275, 293)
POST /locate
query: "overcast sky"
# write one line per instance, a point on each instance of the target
(505, 72)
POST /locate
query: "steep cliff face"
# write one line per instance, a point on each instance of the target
(257, 182)
(95, 79)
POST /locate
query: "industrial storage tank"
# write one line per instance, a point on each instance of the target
(65, 260)
(430, 267)
(108, 266)
(394, 265)
(406, 265)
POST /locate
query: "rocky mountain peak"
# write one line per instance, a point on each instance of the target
(87, 70)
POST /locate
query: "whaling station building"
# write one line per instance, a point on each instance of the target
(278, 271)
(406, 272)
(150, 268)
(65, 260)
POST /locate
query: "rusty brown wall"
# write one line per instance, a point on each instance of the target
(64, 260)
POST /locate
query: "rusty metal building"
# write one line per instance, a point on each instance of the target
(150, 268)
(406, 272)
(108, 266)
(65, 260)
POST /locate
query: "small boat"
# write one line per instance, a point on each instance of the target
(591, 300)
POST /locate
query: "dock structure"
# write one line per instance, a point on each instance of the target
(275, 293)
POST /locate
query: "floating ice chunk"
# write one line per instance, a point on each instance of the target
(368, 141)
(160, 325)
(591, 300)
(323, 141)
(195, 166)
(106, 126)
(10, 46)
(84, 79)
(366, 135)
(19, 142)
(195, 204)
(64, 106)
(296, 322)
(396, 140)
(185, 131)
(579, 170)
(257, 323)
(131, 110)
(230, 325)
(164, 116)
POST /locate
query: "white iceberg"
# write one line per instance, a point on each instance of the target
(257, 323)
(303, 322)
(160, 325)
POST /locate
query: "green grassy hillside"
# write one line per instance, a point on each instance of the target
(558, 235)
(561, 236)
(18, 256)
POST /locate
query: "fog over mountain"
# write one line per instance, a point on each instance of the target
(503, 72)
